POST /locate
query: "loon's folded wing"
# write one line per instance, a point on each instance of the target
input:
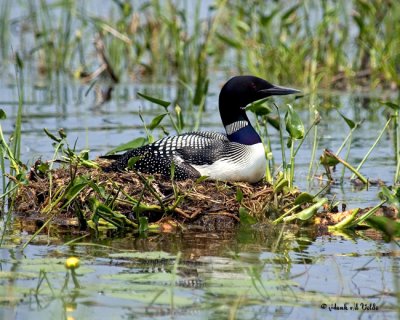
(203, 148)
(195, 148)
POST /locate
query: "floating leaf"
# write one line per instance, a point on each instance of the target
(294, 125)
(12, 275)
(160, 102)
(150, 255)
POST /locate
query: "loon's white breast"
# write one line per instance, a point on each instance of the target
(249, 165)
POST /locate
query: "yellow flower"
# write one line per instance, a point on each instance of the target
(72, 263)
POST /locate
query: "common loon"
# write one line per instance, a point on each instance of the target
(237, 155)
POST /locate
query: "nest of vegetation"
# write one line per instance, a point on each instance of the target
(72, 193)
(78, 196)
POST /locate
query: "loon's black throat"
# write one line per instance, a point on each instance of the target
(243, 133)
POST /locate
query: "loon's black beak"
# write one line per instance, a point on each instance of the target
(277, 91)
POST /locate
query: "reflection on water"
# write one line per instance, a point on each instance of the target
(250, 274)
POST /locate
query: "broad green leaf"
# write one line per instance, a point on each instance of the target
(346, 222)
(97, 188)
(2, 114)
(267, 19)
(391, 105)
(143, 224)
(280, 184)
(18, 60)
(286, 15)
(114, 218)
(160, 102)
(308, 212)
(388, 226)
(201, 90)
(273, 121)
(156, 121)
(51, 136)
(179, 117)
(133, 144)
(349, 122)
(390, 196)
(239, 195)
(259, 108)
(303, 197)
(289, 143)
(84, 154)
(62, 133)
(229, 41)
(245, 217)
(74, 191)
(201, 179)
(43, 167)
(241, 25)
(294, 125)
(328, 159)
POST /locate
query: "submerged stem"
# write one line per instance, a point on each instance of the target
(370, 150)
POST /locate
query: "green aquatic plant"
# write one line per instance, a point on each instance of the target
(389, 226)
(396, 134)
(312, 45)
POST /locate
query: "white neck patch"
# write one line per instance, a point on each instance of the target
(235, 126)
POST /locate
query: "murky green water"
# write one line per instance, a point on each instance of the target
(247, 274)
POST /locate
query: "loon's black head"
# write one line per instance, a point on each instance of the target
(240, 91)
